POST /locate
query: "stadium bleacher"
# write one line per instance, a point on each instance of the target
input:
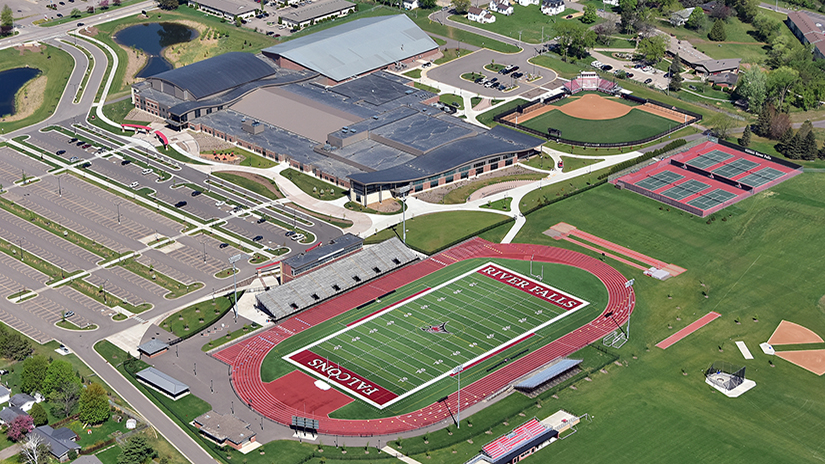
(335, 278)
(520, 438)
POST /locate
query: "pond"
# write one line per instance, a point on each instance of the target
(152, 38)
(13, 80)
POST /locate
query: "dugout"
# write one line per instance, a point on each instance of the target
(547, 378)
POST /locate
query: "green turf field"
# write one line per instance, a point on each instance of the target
(402, 349)
(635, 125)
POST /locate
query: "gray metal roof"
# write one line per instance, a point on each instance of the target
(498, 140)
(315, 10)
(719, 65)
(224, 427)
(162, 381)
(549, 373)
(323, 250)
(59, 440)
(20, 399)
(153, 346)
(357, 47)
(7, 415)
(4, 391)
(234, 7)
(217, 74)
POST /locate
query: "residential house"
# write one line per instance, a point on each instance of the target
(87, 459)
(809, 28)
(411, 4)
(552, 7)
(680, 17)
(611, 2)
(710, 6)
(480, 16)
(5, 394)
(8, 415)
(725, 79)
(60, 441)
(22, 401)
(529, 2)
(501, 6)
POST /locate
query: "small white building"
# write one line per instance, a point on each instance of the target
(552, 7)
(528, 2)
(227, 9)
(680, 17)
(411, 4)
(22, 401)
(5, 394)
(480, 16)
(501, 6)
(611, 2)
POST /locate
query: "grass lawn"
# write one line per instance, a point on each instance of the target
(461, 194)
(413, 73)
(250, 184)
(571, 164)
(566, 69)
(182, 54)
(230, 336)
(432, 231)
(738, 261)
(473, 76)
(527, 20)
(351, 205)
(68, 325)
(486, 117)
(426, 87)
(454, 100)
(636, 125)
(451, 54)
(550, 192)
(117, 112)
(475, 101)
(313, 186)
(501, 205)
(420, 18)
(191, 316)
(53, 63)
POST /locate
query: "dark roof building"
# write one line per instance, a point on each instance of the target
(153, 348)
(709, 67)
(60, 441)
(809, 28)
(23, 401)
(225, 429)
(165, 384)
(7, 415)
(350, 50)
(725, 79)
(322, 254)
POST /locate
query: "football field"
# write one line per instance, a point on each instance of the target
(411, 344)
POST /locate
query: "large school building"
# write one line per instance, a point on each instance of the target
(325, 104)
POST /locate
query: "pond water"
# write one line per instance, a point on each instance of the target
(152, 38)
(13, 80)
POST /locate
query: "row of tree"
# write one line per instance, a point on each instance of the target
(6, 21)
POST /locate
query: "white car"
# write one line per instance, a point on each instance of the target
(134, 185)
(220, 203)
(297, 237)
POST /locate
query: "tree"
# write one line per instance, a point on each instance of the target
(753, 88)
(168, 4)
(19, 427)
(780, 124)
(14, 346)
(38, 415)
(427, 4)
(116, 2)
(94, 404)
(721, 124)
(65, 397)
(747, 9)
(786, 143)
(675, 71)
(34, 371)
(653, 48)
(574, 39)
(766, 27)
(763, 124)
(722, 12)
(780, 80)
(589, 16)
(604, 32)
(696, 19)
(135, 451)
(104, 4)
(808, 147)
(75, 13)
(59, 373)
(629, 15)
(821, 154)
(461, 6)
(6, 21)
(90, 9)
(34, 450)
(717, 32)
(745, 140)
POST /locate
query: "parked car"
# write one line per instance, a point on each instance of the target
(180, 204)
(146, 171)
(68, 314)
(261, 220)
(648, 81)
(86, 145)
(73, 140)
(607, 67)
(125, 162)
(80, 142)
(290, 233)
(220, 203)
(134, 185)
(196, 193)
(257, 238)
(73, 159)
(59, 152)
(223, 245)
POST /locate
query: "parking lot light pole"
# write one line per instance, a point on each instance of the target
(232, 260)
(118, 212)
(59, 190)
(20, 242)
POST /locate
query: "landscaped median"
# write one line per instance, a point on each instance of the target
(314, 187)
(192, 319)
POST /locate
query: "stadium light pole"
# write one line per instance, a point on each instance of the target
(403, 192)
(232, 260)
(610, 316)
(458, 370)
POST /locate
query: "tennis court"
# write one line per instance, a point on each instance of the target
(709, 159)
(708, 177)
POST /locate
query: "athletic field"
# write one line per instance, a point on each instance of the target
(412, 344)
(635, 125)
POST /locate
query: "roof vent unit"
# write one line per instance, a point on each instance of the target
(252, 127)
(408, 92)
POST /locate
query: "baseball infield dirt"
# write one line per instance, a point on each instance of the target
(663, 112)
(810, 360)
(595, 107)
(789, 333)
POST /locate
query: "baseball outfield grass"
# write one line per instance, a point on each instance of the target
(635, 125)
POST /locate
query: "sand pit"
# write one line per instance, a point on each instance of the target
(789, 333)
(595, 107)
(810, 360)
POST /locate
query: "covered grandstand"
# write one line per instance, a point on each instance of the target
(590, 81)
(335, 278)
(556, 373)
(350, 50)
(512, 447)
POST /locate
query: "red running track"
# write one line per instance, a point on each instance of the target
(698, 324)
(247, 356)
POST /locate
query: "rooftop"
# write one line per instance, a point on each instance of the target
(162, 381)
(548, 373)
(60, 440)
(152, 347)
(720, 65)
(217, 74)
(811, 26)
(348, 50)
(324, 250)
(224, 427)
(228, 6)
(315, 10)
(522, 437)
